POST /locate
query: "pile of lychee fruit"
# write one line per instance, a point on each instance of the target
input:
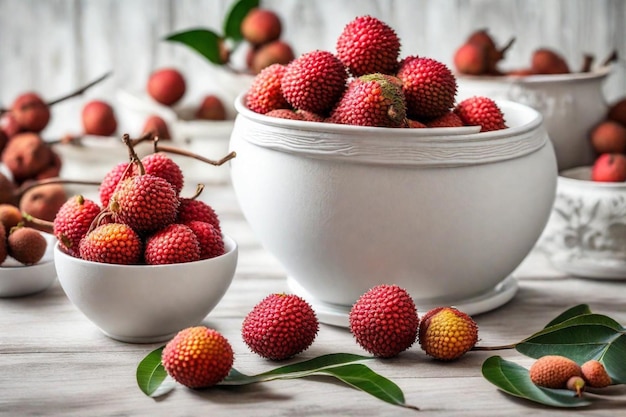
(365, 83)
(141, 217)
(24, 244)
(608, 140)
(384, 322)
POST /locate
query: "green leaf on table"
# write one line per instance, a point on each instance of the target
(572, 312)
(150, 373)
(203, 41)
(515, 380)
(581, 338)
(232, 23)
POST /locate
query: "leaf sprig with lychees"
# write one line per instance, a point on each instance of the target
(577, 333)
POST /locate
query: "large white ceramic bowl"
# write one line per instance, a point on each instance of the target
(570, 103)
(586, 233)
(446, 214)
(17, 280)
(146, 303)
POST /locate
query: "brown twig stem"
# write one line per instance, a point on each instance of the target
(489, 348)
(611, 58)
(182, 152)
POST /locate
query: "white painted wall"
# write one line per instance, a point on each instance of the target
(53, 46)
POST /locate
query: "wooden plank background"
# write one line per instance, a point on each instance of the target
(53, 46)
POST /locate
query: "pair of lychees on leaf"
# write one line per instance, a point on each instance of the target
(365, 83)
(560, 372)
(384, 321)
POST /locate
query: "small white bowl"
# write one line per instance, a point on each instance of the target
(571, 105)
(586, 233)
(146, 303)
(344, 208)
(17, 280)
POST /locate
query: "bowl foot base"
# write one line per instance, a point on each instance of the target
(337, 315)
(140, 340)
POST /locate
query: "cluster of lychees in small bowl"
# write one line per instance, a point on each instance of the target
(365, 83)
(141, 219)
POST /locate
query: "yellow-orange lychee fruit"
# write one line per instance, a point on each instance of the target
(198, 357)
(576, 384)
(446, 333)
(595, 374)
(553, 371)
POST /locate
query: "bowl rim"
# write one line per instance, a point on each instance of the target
(572, 176)
(596, 73)
(230, 246)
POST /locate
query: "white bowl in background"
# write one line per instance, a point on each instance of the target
(146, 303)
(345, 208)
(572, 104)
(17, 280)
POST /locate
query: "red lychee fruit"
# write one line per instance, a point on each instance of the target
(53, 169)
(26, 155)
(553, 371)
(429, 87)
(99, 118)
(73, 221)
(261, 26)
(192, 209)
(595, 374)
(43, 202)
(608, 137)
(209, 239)
(166, 85)
(446, 333)
(276, 52)
(449, 119)
(609, 167)
(3, 140)
(9, 125)
(198, 357)
(280, 326)
(4, 251)
(547, 61)
(211, 108)
(112, 243)
(309, 116)
(161, 165)
(415, 124)
(10, 216)
(471, 59)
(111, 180)
(30, 112)
(617, 111)
(481, 111)
(144, 202)
(284, 114)
(7, 191)
(26, 245)
(367, 45)
(157, 126)
(314, 81)
(172, 244)
(265, 94)
(384, 321)
(371, 100)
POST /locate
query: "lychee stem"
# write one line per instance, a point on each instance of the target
(183, 152)
(196, 194)
(587, 63)
(506, 47)
(611, 58)
(132, 155)
(54, 180)
(48, 225)
(488, 348)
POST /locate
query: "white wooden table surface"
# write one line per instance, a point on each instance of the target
(54, 362)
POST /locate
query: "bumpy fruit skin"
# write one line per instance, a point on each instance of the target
(609, 167)
(99, 118)
(30, 112)
(198, 357)
(161, 165)
(481, 111)
(209, 239)
(446, 333)
(167, 86)
(449, 119)
(265, 94)
(26, 245)
(111, 180)
(144, 202)
(384, 321)
(553, 371)
(261, 26)
(73, 221)
(280, 326)
(429, 87)
(314, 81)
(595, 375)
(608, 137)
(309, 116)
(157, 126)
(173, 244)
(372, 100)
(284, 114)
(192, 209)
(367, 45)
(112, 243)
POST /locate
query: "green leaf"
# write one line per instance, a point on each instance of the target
(514, 380)
(203, 41)
(150, 373)
(232, 23)
(578, 310)
(581, 338)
